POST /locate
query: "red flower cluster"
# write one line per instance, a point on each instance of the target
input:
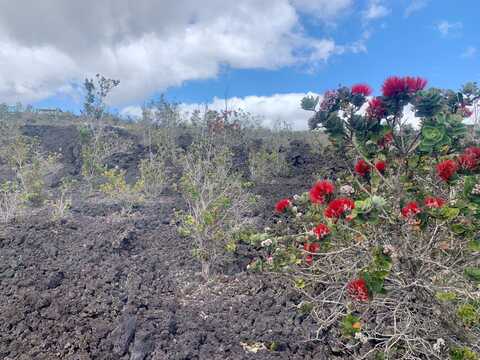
(362, 168)
(320, 190)
(361, 89)
(358, 290)
(474, 151)
(446, 169)
(386, 140)
(395, 85)
(336, 208)
(381, 166)
(467, 161)
(321, 230)
(415, 84)
(411, 209)
(311, 249)
(434, 202)
(470, 158)
(329, 100)
(282, 205)
(375, 109)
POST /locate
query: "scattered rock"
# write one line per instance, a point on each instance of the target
(55, 280)
(123, 334)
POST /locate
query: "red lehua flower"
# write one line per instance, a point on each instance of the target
(393, 86)
(411, 209)
(381, 166)
(361, 89)
(320, 190)
(358, 290)
(311, 249)
(446, 169)
(375, 109)
(415, 84)
(474, 151)
(362, 168)
(321, 230)
(467, 161)
(336, 208)
(434, 202)
(282, 205)
(309, 259)
(386, 140)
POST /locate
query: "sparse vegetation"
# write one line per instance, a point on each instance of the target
(389, 240)
(382, 255)
(217, 203)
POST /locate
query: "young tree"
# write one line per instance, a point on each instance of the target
(96, 91)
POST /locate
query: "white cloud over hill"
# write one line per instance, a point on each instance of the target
(151, 45)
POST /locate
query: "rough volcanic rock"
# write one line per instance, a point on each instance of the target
(64, 140)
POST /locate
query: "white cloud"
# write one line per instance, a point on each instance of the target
(152, 45)
(270, 109)
(414, 6)
(277, 107)
(375, 10)
(469, 52)
(447, 28)
(323, 9)
(134, 112)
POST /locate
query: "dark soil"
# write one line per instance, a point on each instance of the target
(97, 288)
(100, 286)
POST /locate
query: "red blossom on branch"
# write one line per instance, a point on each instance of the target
(375, 109)
(320, 190)
(415, 84)
(474, 151)
(282, 205)
(362, 168)
(411, 209)
(311, 249)
(434, 202)
(336, 208)
(467, 161)
(394, 86)
(446, 169)
(381, 166)
(361, 89)
(321, 230)
(358, 290)
(386, 140)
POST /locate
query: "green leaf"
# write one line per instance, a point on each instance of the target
(459, 229)
(432, 134)
(473, 273)
(474, 245)
(449, 213)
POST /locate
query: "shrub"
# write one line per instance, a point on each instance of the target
(399, 235)
(116, 187)
(10, 201)
(98, 144)
(463, 353)
(265, 165)
(30, 165)
(153, 177)
(62, 204)
(216, 203)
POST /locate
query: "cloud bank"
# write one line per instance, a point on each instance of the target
(152, 45)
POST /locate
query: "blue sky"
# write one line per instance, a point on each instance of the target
(398, 45)
(251, 51)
